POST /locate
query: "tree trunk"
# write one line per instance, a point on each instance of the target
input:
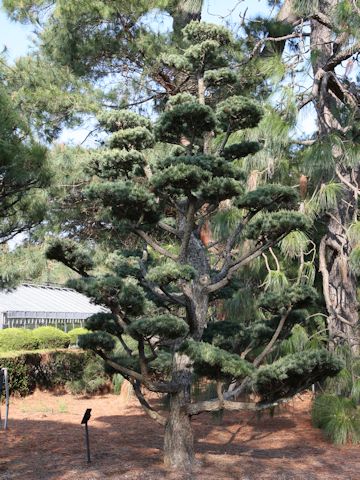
(179, 440)
(339, 284)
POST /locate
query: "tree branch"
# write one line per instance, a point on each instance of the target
(158, 248)
(339, 57)
(162, 387)
(234, 267)
(153, 414)
(216, 404)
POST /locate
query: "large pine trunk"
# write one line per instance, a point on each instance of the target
(179, 440)
(339, 284)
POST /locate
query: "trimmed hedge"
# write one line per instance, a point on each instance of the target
(18, 339)
(74, 334)
(48, 370)
(51, 337)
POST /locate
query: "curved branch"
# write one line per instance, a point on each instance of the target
(162, 387)
(153, 414)
(158, 248)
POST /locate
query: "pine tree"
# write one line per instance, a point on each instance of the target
(152, 188)
(330, 155)
(24, 171)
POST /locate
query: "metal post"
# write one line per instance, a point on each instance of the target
(84, 421)
(4, 378)
(5, 370)
(87, 443)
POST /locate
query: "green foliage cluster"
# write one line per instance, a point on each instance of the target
(14, 339)
(236, 113)
(274, 225)
(51, 337)
(190, 120)
(69, 253)
(214, 362)
(74, 334)
(28, 371)
(292, 373)
(164, 326)
(170, 271)
(269, 198)
(338, 417)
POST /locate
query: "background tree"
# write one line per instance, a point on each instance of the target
(156, 199)
(24, 171)
(327, 30)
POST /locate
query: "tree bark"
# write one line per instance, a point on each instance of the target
(178, 439)
(339, 284)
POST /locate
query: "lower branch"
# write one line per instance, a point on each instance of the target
(216, 404)
(161, 387)
(153, 414)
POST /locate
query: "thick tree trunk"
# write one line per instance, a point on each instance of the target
(179, 440)
(339, 284)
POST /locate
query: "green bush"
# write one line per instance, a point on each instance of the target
(338, 417)
(17, 339)
(20, 380)
(75, 332)
(44, 370)
(93, 378)
(117, 381)
(51, 337)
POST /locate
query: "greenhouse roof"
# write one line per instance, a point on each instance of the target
(46, 301)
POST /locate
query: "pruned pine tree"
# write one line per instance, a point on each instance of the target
(162, 292)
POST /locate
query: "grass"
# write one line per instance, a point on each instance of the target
(63, 407)
(43, 408)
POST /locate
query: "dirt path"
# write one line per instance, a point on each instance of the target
(46, 442)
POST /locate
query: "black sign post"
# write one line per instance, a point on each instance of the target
(84, 421)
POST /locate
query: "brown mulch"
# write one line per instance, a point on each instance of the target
(45, 441)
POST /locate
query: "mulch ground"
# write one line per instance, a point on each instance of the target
(45, 441)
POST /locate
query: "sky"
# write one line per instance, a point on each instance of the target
(18, 39)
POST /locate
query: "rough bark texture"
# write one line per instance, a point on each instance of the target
(329, 93)
(178, 439)
(339, 284)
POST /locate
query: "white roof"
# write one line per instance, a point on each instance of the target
(46, 301)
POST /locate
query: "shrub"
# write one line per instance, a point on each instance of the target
(338, 417)
(51, 337)
(20, 380)
(44, 370)
(74, 334)
(117, 381)
(93, 378)
(17, 339)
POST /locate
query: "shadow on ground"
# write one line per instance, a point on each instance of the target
(129, 446)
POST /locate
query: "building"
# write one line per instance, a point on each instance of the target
(32, 306)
